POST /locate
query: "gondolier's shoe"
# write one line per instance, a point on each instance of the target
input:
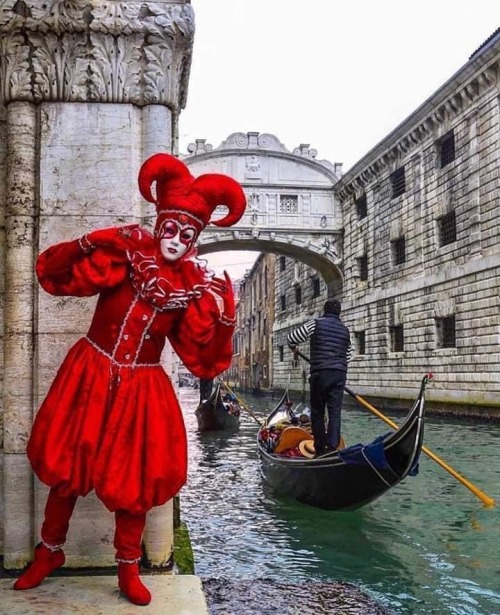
(45, 562)
(329, 448)
(131, 585)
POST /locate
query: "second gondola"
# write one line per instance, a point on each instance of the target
(219, 412)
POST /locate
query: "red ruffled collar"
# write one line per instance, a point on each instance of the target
(167, 286)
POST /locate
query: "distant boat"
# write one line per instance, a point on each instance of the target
(347, 478)
(215, 413)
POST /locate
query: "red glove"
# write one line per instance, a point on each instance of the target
(117, 237)
(224, 288)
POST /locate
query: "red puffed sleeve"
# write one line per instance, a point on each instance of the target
(65, 269)
(203, 338)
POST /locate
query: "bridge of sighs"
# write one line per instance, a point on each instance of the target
(292, 209)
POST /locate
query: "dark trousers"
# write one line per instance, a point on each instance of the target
(206, 386)
(327, 390)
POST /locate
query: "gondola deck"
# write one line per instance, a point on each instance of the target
(349, 478)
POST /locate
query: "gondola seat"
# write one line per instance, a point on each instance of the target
(290, 438)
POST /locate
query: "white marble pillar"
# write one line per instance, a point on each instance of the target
(157, 136)
(20, 219)
(91, 89)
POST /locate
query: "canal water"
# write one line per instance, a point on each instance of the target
(427, 546)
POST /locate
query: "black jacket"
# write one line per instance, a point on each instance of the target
(330, 344)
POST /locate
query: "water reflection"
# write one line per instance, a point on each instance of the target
(427, 546)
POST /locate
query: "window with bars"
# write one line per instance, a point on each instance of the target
(398, 182)
(298, 294)
(447, 228)
(446, 333)
(363, 267)
(398, 250)
(316, 284)
(281, 353)
(282, 263)
(289, 204)
(283, 302)
(446, 147)
(361, 207)
(397, 338)
(359, 340)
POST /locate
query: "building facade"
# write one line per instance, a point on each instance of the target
(421, 254)
(252, 366)
(300, 294)
(422, 247)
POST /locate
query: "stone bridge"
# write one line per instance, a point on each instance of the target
(292, 209)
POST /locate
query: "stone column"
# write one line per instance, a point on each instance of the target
(18, 338)
(159, 532)
(90, 88)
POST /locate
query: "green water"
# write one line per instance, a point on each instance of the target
(427, 546)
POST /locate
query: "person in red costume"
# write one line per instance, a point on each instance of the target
(111, 421)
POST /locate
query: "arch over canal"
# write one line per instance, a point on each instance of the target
(292, 209)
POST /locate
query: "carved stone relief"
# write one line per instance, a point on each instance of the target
(99, 51)
(252, 167)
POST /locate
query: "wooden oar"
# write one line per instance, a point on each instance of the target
(241, 404)
(475, 490)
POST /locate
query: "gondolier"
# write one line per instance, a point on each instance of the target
(330, 353)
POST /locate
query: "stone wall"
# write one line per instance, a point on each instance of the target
(88, 91)
(3, 153)
(452, 279)
(294, 280)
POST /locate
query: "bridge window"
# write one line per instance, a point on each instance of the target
(359, 338)
(298, 294)
(363, 267)
(446, 147)
(289, 204)
(446, 333)
(283, 302)
(316, 287)
(447, 228)
(398, 250)
(397, 338)
(361, 207)
(398, 182)
(282, 263)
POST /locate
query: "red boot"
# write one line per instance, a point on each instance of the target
(131, 585)
(45, 562)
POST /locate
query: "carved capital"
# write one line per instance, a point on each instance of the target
(98, 51)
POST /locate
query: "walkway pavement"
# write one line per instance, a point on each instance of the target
(99, 595)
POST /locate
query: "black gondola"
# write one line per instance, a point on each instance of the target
(215, 414)
(349, 478)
